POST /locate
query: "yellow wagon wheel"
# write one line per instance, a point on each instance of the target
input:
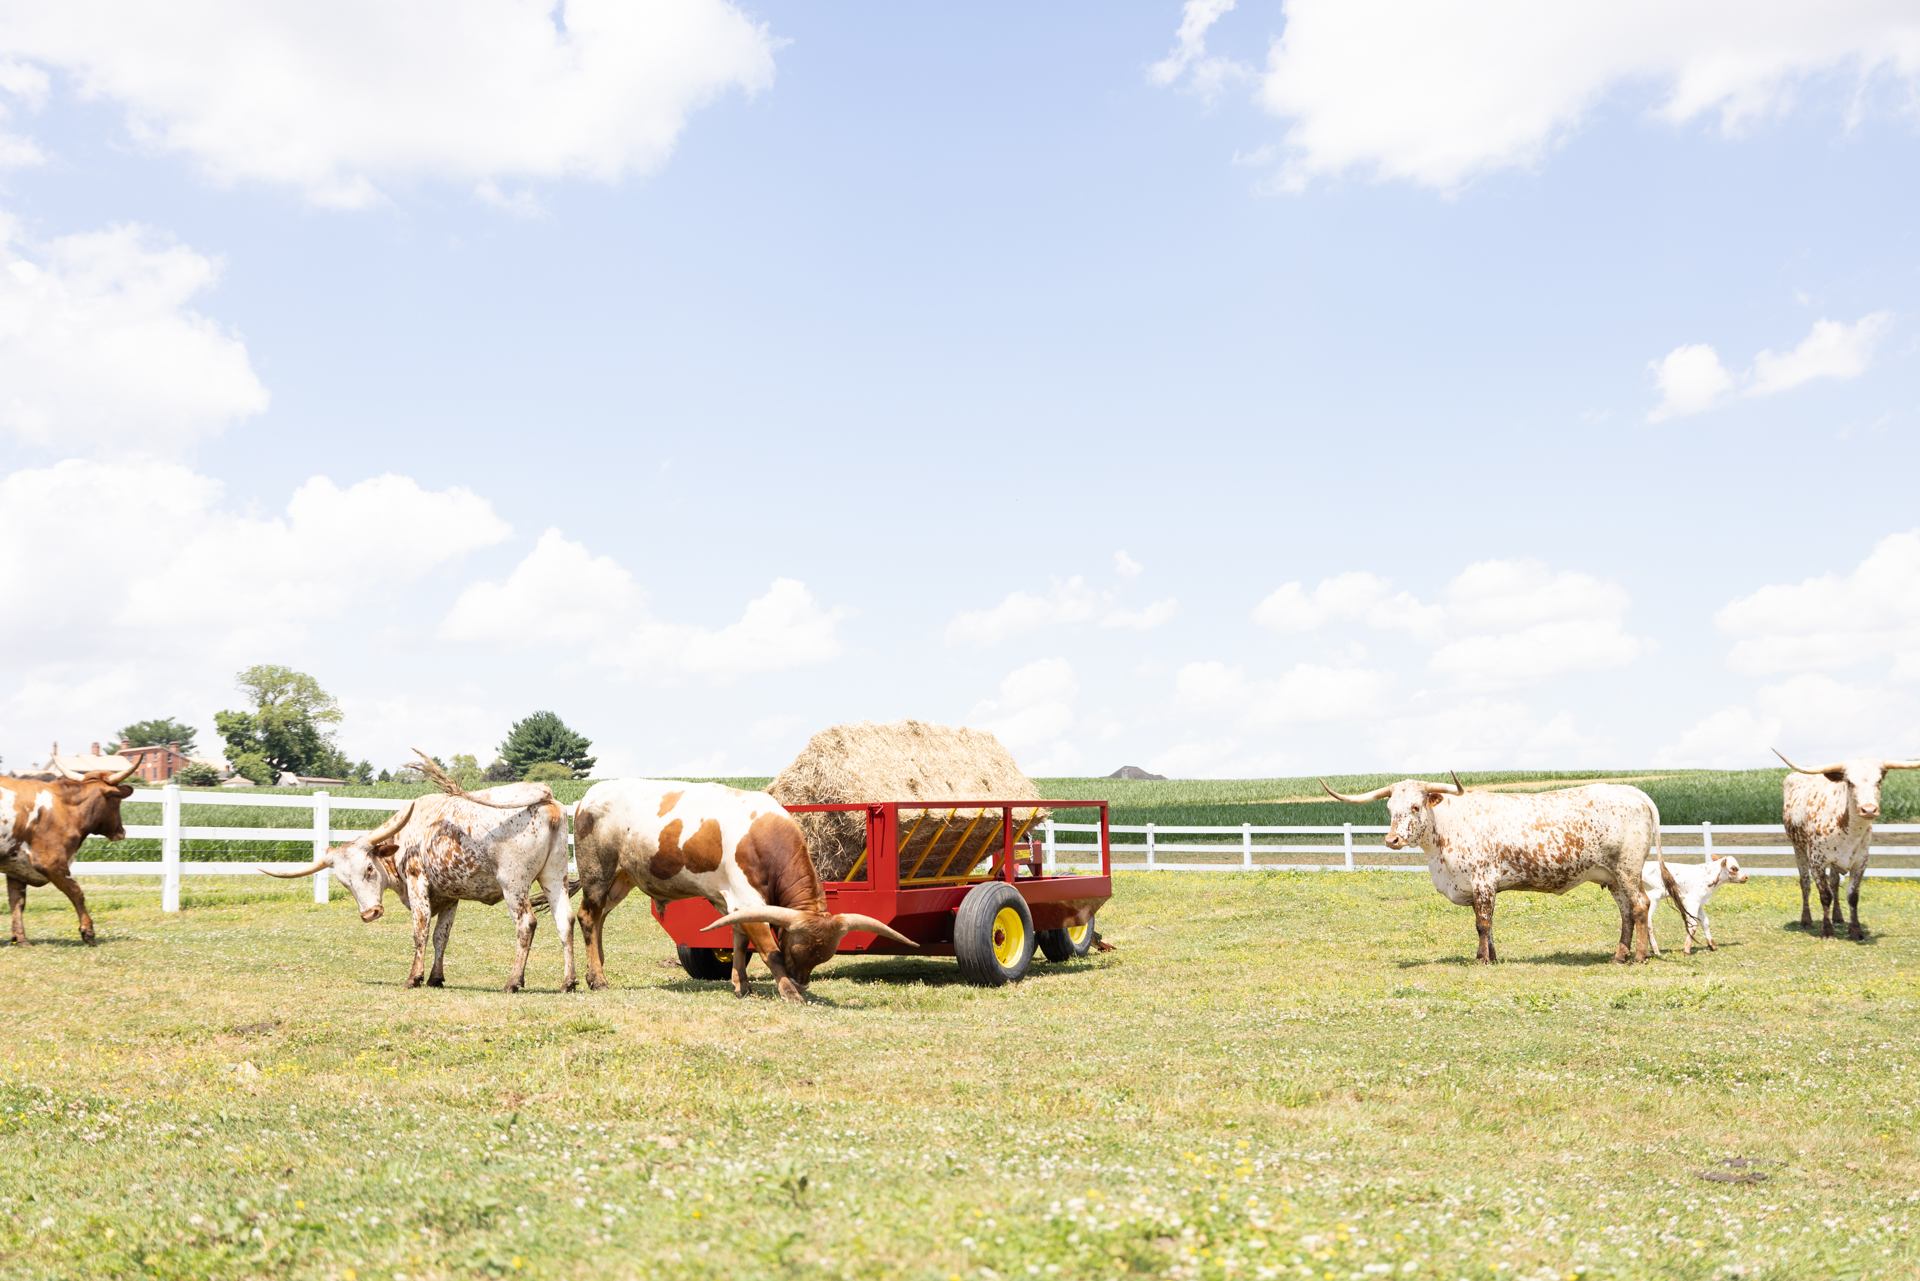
(1067, 943)
(993, 935)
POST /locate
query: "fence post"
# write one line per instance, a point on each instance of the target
(170, 848)
(1246, 845)
(1349, 847)
(1706, 839)
(1053, 854)
(322, 837)
(1149, 846)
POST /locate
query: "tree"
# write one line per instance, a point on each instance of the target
(543, 736)
(548, 772)
(284, 728)
(254, 768)
(157, 733)
(466, 770)
(198, 774)
(385, 777)
(500, 772)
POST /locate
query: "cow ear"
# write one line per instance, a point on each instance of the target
(1434, 798)
(1836, 776)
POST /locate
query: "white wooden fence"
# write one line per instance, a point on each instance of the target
(1216, 846)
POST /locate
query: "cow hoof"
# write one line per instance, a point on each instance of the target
(438, 980)
(21, 942)
(413, 981)
(597, 984)
(511, 988)
(571, 985)
(86, 936)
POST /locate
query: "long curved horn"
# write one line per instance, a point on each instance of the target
(1901, 764)
(855, 921)
(1459, 788)
(124, 774)
(1825, 769)
(319, 864)
(392, 825)
(767, 915)
(67, 774)
(1374, 795)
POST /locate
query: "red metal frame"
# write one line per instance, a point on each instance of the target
(924, 912)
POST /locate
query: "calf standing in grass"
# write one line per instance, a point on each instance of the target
(1829, 815)
(1697, 882)
(1479, 843)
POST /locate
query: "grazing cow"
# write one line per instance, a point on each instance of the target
(1697, 882)
(485, 847)
(42, 824)
(1479, 843)
(1829, 815)
(738, 850)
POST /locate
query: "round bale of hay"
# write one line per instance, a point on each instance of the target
(905, 761)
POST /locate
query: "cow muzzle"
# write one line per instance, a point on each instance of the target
(1869, 811)
(1394, 841)
(372, 914)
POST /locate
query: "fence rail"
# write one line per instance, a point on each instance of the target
(1230, 849)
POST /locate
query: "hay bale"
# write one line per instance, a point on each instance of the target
(904, 761)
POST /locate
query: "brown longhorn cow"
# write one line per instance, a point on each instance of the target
(42, 824)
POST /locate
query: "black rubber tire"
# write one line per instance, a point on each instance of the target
(1058, 945)
(973, 935)
(705, 963)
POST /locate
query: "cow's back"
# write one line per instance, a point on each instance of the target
(1552, 841)
(672, 839)
(23, 802)
(468, 848)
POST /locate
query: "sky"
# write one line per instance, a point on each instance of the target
(1227, 389)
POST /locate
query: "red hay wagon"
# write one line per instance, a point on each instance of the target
(976, 890)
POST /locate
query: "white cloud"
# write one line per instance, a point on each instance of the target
(1731, 738)
(1189, 52)
(1691, 379)
(562, 597)
(1832, 350)
(335, 99)
(1352, 595)
(1068, 602)
(1526, 625)
(100, 352)
(1832, 621)
(1438, 91)
(1142, 620)
(1126, 566)
(1811, 717)
(1032, 714)
(1479, 733)
(1308, 694)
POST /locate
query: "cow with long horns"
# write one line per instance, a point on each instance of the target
(1829, 815)
(738, 850)
(489, 846)
(1480, 843)
(42, 825)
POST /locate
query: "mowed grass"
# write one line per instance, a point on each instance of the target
(1272, 1075)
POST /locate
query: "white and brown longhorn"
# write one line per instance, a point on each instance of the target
(1829, 814)
(1480, 843)
(740, 851)
(489, 846)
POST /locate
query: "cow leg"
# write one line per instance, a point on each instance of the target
(71, 888)
(1826, 902)
(525, 923)
(422, 912)
(1483, 922)
(554, 880)
(1625, 947)
(1834, 877)
(1653, 944)
(593, 926)
(741, 986)
(1706, 928)
(1854, 931)
(1806, 889)
(442, 931)
(1639, 919)
(17, 902)
(769, 949)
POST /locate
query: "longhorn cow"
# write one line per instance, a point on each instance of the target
(1829, 815)
(1480, 843)
(42, 824)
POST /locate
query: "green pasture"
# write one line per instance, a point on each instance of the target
(1272, 1075)
(1690, 796)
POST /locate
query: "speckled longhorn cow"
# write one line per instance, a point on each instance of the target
(738, 850)
(1829, 815)
(488, 846)
(42, 824)
(1480, 843)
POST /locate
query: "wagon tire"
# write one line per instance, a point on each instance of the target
(1069, 943)
(993, 935)
(705, 963)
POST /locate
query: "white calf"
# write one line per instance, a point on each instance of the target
(1697, 882)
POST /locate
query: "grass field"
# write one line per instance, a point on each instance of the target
(1273, 1075)
(1715, 796)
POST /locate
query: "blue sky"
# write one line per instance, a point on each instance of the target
(1228, 390)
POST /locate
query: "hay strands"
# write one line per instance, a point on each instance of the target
(446, 784)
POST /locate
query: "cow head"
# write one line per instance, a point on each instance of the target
(364, 865)
(94, 798)
(808, 938)
(1729, 872)
(1861, 779)
(1410, 806)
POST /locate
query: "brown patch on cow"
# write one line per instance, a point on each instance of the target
(582, 824)
(773, 858)
(667, 862)
(667, 802)
(702, 853)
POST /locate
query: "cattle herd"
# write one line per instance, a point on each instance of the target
(743, 853)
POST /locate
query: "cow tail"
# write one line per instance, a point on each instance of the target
(1666, 874)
